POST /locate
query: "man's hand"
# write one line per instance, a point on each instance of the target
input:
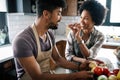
(84, 66)
(84, 75)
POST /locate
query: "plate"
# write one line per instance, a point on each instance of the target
(107, 62)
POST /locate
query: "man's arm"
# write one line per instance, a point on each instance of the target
(33, 69)
(62, 62)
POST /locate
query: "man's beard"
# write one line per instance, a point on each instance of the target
(53, 26)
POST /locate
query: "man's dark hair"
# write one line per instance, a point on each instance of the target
(96, 10)
(49, 5)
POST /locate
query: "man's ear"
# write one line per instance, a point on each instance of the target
(46, 14)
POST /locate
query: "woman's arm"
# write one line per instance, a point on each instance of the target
(96, 47)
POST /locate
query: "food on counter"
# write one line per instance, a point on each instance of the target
(92, 64)
(102, 77)
(118, 75)
(111, 73)
(106, 71)
(98, 70)
(115, 71)
(112, 77)
(101, 71)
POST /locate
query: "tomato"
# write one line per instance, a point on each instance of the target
(98, 70)
(111, 73)
(115, 71)
(106, 71)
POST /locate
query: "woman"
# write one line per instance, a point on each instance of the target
(84, 41)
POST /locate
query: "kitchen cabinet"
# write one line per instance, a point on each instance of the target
(79, 2)
(4, 39)
(11, 6)
(7, 64)
(111, 45)
(7, 70)
(20, 6)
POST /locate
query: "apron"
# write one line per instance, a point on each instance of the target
(43, 58)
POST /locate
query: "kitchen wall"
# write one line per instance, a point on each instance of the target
(111, 33)
(19, 21)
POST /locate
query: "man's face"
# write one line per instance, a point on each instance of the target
(53, 26)
(55, 18)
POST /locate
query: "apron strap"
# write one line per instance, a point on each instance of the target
(37, 39)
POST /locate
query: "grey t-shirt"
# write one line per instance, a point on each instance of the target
(24, 45)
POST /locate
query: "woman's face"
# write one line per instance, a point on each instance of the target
(86, 21)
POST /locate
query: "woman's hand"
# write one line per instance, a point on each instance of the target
(73, 27)
(76, 28)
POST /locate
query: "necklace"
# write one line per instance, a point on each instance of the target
(43, 37)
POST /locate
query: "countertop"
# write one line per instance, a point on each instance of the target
(6, 53)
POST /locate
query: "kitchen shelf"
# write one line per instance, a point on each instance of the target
(79, 2)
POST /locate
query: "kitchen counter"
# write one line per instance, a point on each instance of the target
(108, 54)
(111, 45)
(6, 53)
(7, 49)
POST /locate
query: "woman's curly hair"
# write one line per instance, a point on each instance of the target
(96, 10)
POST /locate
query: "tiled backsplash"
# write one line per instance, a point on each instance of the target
(19, 21)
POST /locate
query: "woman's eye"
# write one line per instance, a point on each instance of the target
(86, 18)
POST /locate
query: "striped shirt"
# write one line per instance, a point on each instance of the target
(94, 44)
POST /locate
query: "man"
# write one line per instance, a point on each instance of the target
(34, 46)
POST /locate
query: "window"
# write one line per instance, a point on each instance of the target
(113, 17)
(103, 2)
(115, 13)
(4, 39)
(3, 6)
